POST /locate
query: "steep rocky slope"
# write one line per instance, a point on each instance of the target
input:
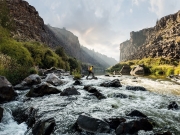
(162, 40)
(29, 26)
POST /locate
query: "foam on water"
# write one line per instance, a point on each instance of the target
(65, 110)
(10, 127)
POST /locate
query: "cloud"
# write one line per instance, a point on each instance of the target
(103, 24)
(164, 7)
(130, 10)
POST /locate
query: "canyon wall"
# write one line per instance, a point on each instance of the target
(162, 40)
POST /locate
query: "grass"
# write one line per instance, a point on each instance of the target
(153, 66)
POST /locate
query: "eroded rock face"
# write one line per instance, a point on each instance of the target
(7, 92)
(162, 40)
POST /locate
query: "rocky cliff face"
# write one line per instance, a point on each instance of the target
(29, 26)
(162, 40)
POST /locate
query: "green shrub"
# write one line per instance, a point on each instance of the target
(13, 71)
(32, 70)
(16, 51)
(177, 71)
(76, 74)
(170, 71)
(74, 64)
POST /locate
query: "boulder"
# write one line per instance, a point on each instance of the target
(136, 88)
(94, 92)
(164, 133)
(53, 79)
(77, 82)
(125, 70)
(1, 113)
(92, 125)
(118, 95)
(133, 127)
(28, 82)
(44, 127)
(115, 122)
(173, 106)
(70, 91)
(136, 113)
(90, 89)
(25, 115)
(54, 70)
(7, 92)
(113, 83)
(42, 89)
(137, 71)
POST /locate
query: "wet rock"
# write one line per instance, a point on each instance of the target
(94, 92)
(133, 127)
(125, 70)
(53, 79)
(107, 75)
(44, 127)
(99, 95)
(7, 92)
(25, 115)
(113, 83)
(118, 95)
(136, 88)
(42, 89)
(137, 71)
(70, 91)
(28, 82)
(77, 82)
(54, 70)
(136, 113)
(165, 133)
(1, 113)
(115, 122)
(90, 89)
(173, 106)
(92, 125)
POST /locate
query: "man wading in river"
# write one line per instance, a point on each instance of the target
(90, 71)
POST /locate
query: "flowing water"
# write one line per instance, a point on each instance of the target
(65, 110)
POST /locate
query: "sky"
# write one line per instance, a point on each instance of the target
(103, 24)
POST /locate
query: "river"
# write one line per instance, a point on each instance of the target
(66, 110)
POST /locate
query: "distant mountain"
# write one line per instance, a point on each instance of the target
(162, 40)
(83, 54)
(29, 26)
(103, 59)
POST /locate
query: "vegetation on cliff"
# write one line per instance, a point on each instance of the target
(153, 66)
(17, 59)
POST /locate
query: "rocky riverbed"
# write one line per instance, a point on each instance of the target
(58, 105)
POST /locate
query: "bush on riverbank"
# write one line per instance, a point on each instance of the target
(153, 66)
(17, 59)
